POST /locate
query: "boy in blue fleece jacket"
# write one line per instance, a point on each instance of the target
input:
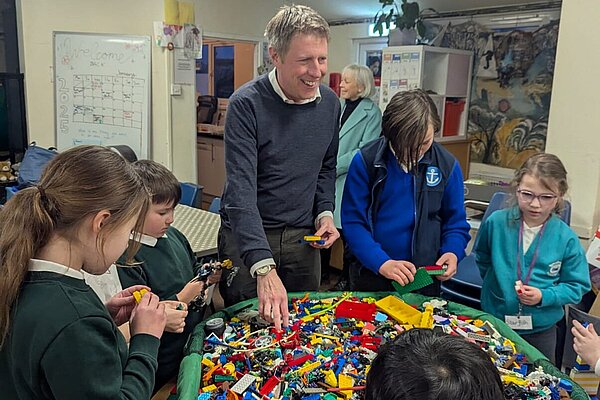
(403, 202)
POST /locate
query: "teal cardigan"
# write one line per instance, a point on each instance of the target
(361, 127)
(560, 272)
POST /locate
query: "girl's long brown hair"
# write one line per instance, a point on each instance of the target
(76, 184)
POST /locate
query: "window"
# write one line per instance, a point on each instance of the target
(225, 66)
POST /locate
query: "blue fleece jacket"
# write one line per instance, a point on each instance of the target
(395, 215)
(560, 272)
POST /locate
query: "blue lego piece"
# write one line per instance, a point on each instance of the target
(204, 396)
(566, 384)
(522, 370)
(223, 359)
(314, 396)
(380, 317)
(340, 365)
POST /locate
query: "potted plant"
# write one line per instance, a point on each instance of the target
(408, 19)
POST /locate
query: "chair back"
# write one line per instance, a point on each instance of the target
(569, 355)
(215, 205)
(501, 200)
(191, 194)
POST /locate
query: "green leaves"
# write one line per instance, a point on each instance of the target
(409, 18)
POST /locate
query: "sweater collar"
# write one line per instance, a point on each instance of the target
(36, 265)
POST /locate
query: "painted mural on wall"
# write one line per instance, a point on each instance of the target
(512, 84)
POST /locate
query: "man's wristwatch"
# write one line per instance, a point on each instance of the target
(264, 270)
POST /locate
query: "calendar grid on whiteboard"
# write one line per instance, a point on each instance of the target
(102, 90)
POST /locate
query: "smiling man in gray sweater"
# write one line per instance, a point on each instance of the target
(281, 140)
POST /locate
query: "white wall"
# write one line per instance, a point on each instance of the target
(575, 110)
(173, 118)
(341, 46)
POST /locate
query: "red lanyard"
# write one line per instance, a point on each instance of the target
(521, 254)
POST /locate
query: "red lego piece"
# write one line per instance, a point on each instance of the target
(300, 360)
(368, 342)
(358, 310)
(269, 385)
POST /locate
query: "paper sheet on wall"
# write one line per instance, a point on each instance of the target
(171, 12)
(186, 13)
(165, 34)
(184, 68)
(192, 44)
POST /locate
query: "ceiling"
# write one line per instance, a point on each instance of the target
(340, 10)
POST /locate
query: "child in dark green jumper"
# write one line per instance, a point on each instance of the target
(57, 339)
(165, 262)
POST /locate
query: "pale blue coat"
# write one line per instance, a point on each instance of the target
(361, 127)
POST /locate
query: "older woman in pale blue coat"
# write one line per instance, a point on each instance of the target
(360, 123)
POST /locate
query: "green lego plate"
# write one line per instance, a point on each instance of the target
(422, 279)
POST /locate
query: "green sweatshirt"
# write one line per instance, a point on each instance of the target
(166, 268)
(63, 344)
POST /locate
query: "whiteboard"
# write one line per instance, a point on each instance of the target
(102, 90)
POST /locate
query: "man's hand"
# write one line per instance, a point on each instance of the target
(586, 343)
(272, 299)
(176, 313)
(530, 296)
(328, 232)
(121, 304)
(451, 261)
(401, 271)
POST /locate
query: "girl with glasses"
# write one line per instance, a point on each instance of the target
(531, 262)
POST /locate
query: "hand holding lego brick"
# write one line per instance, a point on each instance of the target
(176, 312)
(401, 271)
(327, 230)
(451, 261)
(586, 343)
(122, 304)
(148, 317)
(190, 291)
(529, 296)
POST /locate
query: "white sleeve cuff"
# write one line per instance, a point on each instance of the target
(597, 369)
(261, 263)
(321, 215)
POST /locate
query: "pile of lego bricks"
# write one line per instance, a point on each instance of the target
(327, 350)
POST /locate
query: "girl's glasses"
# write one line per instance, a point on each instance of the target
(528, 197)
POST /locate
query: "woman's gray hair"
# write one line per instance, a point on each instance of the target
(364, 77)
(291, 20)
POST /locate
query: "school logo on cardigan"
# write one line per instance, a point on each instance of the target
(433, 176)
(554, 268)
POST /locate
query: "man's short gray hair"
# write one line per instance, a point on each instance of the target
(364, 77)
(291, 20)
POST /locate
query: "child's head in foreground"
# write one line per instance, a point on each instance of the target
(421, 364)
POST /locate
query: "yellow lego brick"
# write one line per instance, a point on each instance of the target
(478, 323)
(230, 368)
(207, 363)
(209, 388)
(330, 378)
(316, 340)
(427, 318)
(345, 381)
(308, 367)
(138, 294)
(399, 310)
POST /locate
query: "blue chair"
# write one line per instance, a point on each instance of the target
(10, 191)
(191, 194)
(215, 205)
(465, 286)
